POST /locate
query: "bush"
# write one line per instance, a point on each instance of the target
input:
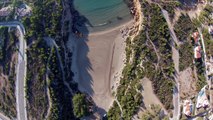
(80, 105)
(114, 112)
(184, 27)
(208, 43)
(186, 56)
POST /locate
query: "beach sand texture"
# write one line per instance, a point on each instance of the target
(96, 60)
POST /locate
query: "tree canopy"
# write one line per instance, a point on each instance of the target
(80, 106)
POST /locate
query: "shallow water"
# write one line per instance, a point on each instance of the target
(103, 14)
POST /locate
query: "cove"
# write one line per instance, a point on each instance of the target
(103, 14)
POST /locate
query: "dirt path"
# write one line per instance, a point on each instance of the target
(49, 100)
(171, 28)
(119, 105)
(52, 43)
(175, 57)
(156, 51)
(47, 89)
(3, 117)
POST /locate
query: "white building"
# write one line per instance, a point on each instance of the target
(187, 107)
(202, 100)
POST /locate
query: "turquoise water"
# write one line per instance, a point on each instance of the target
(103, 14)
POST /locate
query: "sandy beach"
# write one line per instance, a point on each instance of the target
(98, 60)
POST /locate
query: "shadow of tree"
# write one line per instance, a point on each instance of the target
(79, 36)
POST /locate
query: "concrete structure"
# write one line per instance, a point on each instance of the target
(202, 100)
(197, 52)
(196, 37)
(187, 107)
(5, 11)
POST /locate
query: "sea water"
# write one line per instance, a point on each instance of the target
(103, 14)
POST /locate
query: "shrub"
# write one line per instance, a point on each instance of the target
(80, 105)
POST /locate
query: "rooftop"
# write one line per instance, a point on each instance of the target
(196, 37)
(197, 52)
(202, 100)
(188, 107)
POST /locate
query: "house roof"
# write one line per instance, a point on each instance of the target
(187, 108)
(197, 52)
(195, 36)
(202, 100)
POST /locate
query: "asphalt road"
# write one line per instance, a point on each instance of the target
(21, 70)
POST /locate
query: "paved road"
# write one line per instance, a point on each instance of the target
(21, 70)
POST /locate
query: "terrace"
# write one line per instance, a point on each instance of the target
(197, 52)
(188, 107)
(202, 100)
(5, 11)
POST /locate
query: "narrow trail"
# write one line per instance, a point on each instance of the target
(47, 89)
(155, 49)
(119, 105)
(53, 44)
(49, 100)
(62, 70)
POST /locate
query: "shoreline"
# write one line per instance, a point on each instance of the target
(107, 30)
(99, 59)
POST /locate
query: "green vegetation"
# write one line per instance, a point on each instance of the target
(160, 71)
(208, 43)
(51, 16)
(80, 105)
(205, 15)
(8, 41)
(47, 69)
(184, 27)
(153, 114)
(158, 33)
(115, 113)
(200, 69)
(186, 56)
(14, 4)
(169, 6)
(36, 84)
(37, 57)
